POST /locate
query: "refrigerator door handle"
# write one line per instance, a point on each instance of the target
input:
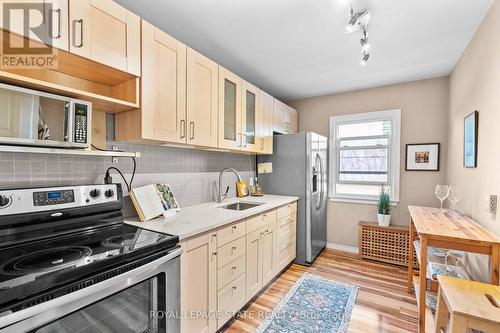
(319, 163)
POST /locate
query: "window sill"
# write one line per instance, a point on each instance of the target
(360, 201)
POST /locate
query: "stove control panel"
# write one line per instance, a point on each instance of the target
(21, 201)
(45, 198)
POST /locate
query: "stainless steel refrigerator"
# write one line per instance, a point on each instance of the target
(299, 164)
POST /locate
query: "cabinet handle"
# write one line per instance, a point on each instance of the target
(261, 144)
(234, 227)
(234, 248)
(244, 142)
(58, 11)
(234, 287)
(241, 140)
(80, 21)
(191, 130)
(183, 129)
(214, 253)
(234, 267)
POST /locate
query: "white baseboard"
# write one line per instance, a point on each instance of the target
(341, 247)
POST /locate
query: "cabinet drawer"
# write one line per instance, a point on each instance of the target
(287, 210)
(287, 219)
(284, 243)
(287, 231)
(286, 255)
(229, 272)
(230, 299)
(257, 222)
(230, 233)
(230, 252)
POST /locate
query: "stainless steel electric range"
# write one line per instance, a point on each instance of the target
(68, 263)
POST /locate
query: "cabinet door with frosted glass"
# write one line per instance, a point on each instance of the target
(230, 131)
(250, 120)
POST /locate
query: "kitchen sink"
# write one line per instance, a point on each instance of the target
(241, 205)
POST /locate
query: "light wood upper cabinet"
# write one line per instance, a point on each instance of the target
(202, 99)
(250, 112)
(230, 132)
(279, 117)
(163, 86)
(285, 118)
(199, 283)
(293, 117)
(265, 127)
(49, 16)
(105, 32)
(162, 117)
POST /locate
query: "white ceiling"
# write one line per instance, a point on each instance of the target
(297, 48)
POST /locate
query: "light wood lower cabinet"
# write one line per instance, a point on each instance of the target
(230, 299)
(199, 284)
(223, 269)
(254, 263)
(269, 253)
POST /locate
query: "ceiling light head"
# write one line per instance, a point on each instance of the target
(357, 20)
(365, 58)
(365, 46)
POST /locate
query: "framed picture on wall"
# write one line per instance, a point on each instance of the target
(422, 157)
(471, 123)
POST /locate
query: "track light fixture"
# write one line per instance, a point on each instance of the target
(359, 21)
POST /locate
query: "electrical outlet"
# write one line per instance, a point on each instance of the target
(493, 204)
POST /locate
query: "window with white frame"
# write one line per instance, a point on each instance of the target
(365, 156)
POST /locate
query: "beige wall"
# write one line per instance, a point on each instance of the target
(475, 85)
(424, 106)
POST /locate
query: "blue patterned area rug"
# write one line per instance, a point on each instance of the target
(314, 304)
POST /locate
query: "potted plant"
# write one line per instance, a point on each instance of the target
(384, 209)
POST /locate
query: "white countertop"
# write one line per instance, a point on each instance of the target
(193, 220)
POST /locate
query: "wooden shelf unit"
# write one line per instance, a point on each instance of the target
(62, 151)
(109, 89)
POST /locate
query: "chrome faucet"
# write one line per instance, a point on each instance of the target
(221, 196)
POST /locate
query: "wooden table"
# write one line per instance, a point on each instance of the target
(469, 304)
(443, 229)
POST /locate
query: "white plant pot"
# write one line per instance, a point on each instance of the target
(384, 220)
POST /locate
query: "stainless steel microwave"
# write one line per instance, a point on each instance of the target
(34, 118)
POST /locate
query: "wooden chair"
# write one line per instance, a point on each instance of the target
(468, 304)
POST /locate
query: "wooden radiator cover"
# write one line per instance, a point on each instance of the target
(386, 244)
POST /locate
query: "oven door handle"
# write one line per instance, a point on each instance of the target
(44, 313)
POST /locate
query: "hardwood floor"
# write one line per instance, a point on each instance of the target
(382, 305)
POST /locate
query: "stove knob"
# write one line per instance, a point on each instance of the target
(109, 193)
(95, 193)
(4, 201)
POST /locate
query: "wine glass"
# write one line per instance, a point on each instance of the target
(454, 196)
(442, 192)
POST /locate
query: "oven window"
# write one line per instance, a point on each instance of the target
(126, 311)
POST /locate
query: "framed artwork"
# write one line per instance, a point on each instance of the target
(471, 123)
(422, 157)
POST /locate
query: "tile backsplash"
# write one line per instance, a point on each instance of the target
(193, 174)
